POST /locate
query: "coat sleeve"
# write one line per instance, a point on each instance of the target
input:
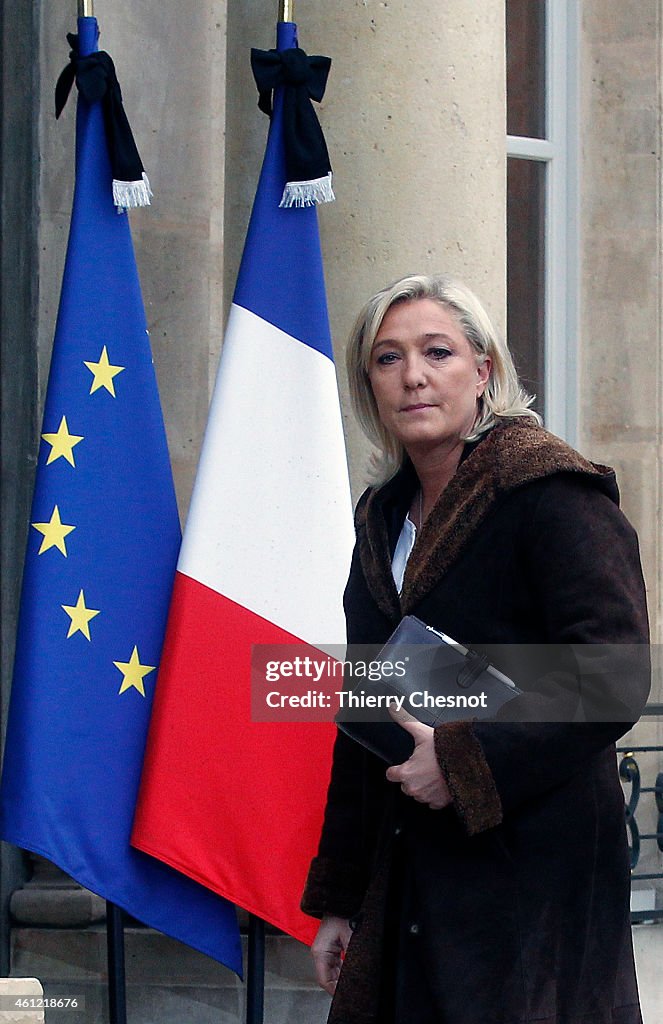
(582, 566)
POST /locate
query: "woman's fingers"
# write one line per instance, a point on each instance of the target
(327, 969)
(327, 951)
(417, 730)
(420, 777)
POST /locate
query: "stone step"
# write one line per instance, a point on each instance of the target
(167, 982)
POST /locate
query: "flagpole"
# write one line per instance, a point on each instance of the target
(116, 984)
(255, 979)
(117, 992)
(286, 10)
(117, 997)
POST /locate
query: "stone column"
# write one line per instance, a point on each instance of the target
(414, 118)
(621, 374)
(19, 79)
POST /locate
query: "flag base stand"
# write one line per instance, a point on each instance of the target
(117, 990)
(255, 975)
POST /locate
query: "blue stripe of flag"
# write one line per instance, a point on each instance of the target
(284, 286)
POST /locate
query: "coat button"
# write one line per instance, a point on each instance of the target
(414, 929)
(398, 830)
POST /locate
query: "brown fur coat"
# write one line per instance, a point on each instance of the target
(512, 905)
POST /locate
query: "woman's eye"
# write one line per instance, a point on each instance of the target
(438, 353)
(386, 358)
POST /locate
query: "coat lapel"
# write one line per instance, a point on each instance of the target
(375, 511)
(512, 454)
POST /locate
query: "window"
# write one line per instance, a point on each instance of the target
(542, 245)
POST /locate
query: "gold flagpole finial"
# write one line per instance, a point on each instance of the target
(85, 8)
(286, 10)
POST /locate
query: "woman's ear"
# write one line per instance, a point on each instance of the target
(483, 371)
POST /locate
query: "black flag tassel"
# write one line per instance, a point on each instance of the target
(96, 81)
(309, 176)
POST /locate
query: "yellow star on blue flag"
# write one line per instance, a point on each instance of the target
(103, 373)
(62, 443)
(133, 673)
(54, 533)
(80, 617)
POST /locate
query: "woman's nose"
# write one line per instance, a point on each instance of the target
(414, 372)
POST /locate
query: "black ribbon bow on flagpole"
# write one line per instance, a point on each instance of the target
(96, 81)
(303, 79)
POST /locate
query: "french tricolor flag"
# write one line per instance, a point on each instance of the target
(237, 804)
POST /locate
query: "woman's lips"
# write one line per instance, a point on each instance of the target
(415, 408)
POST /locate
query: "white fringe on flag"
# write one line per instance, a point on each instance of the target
(129, 194)
(308, 193)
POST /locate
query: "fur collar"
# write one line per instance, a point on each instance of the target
(514, 453)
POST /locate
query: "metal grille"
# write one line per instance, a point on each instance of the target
(638, 798)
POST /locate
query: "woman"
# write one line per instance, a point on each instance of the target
(485, 880)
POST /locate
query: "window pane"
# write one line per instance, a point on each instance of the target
(525, 272)
(525, 67)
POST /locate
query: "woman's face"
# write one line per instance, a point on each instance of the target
(425, 377)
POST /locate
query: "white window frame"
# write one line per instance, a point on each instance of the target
(559, 151)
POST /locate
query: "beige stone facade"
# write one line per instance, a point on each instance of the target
(620, 328)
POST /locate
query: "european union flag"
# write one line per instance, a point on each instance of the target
(101, 556)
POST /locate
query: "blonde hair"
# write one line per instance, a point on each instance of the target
(503, 396)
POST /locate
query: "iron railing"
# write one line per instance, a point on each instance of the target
(630, 774)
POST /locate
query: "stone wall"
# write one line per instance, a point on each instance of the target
(621, 374)
(621, 371)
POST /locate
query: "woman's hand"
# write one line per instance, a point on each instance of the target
(331, 941)
(420, 776)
